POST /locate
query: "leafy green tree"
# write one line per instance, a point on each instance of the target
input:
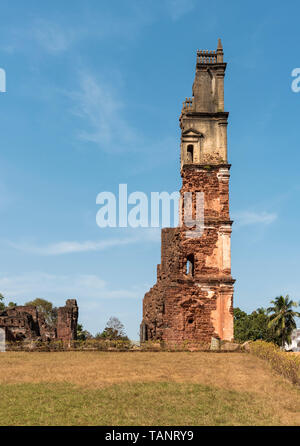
(260, 329)
(82, 335)
(46, 308)
(241, 325)
(2, 306)
(114, 330)
(282, 318)
(252, 326)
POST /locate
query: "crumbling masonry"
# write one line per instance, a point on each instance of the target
(193, 297)
(27, 323)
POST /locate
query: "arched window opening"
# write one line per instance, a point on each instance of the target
(190, 320)
(190, 153)
(190, 265)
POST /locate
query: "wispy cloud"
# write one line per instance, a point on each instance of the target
(103, 115)
(52, 37)
(48, 36)
(178, 8)
(58, 287)
(55, 34)
(245, 218)
(101, 108)
(68, 247)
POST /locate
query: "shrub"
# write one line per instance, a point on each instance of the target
(287, 364)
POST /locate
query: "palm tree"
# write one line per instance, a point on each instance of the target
(282, 319)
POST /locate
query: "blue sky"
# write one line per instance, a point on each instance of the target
(94, 93)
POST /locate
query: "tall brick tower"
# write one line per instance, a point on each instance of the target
(193, 296)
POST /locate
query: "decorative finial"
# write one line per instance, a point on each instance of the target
(220, 52)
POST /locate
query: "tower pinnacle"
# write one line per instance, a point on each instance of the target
(220, 52)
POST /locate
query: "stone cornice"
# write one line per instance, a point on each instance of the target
(205, 166)
(207, 280)
(209, 115)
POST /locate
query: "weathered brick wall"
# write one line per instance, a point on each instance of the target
(212, 180)
(198, 307)
(20, 322)
(67, 318)
(26, 323)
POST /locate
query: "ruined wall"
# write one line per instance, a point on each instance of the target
(20, 322)
(188, 312)
(211, 251)
(195, 305)
(67, 318)
(26, 323)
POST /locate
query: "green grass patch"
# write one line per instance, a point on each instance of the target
(130, 404)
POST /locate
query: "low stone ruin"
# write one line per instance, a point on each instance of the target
(27, 323)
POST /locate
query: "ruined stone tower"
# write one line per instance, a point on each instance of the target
(193, 296)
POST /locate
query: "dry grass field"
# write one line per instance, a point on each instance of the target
(143, 388)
